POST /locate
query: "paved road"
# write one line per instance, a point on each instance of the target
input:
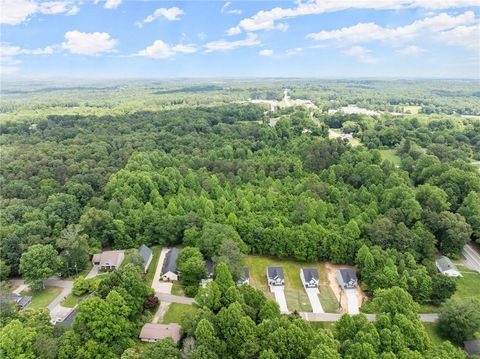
(280, 298)
(164, 297)
(472, 257)
(314, 300)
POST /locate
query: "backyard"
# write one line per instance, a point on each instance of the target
(176, 311)
(43, 298)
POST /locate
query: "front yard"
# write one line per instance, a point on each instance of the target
(43, 298)
(176, 311)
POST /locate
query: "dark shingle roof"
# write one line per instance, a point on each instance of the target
(170, 264)
(348, 275)
(472, 347)
(310, 273)
(274, 272)
(245, 273)
(68, 321)
(210, 266)
(146, 254)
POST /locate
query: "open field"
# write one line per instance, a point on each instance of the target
(468, 286)
(412, 109)
(153, 265)
(176, 311)
(328, 299)
(390, 155)
(295, 294)
(43, 298)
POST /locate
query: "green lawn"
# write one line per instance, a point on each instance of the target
(176, 311)
(468, 286)
(43, 298)
(295, 294)
(432, 331)
(178, 289)
(153, 265)
(390, 155)
(328, 299)
(70, 301)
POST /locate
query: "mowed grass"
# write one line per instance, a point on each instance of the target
(153, 264)
(390, 155)
(70, 301)
(433, 334)
(176, 311)
(468, 286)
(328, 299)
(295, 294)
(178, 289)
(43, 298)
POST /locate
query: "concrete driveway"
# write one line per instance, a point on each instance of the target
(352, 301)
(93, 272)
(157, 284)
(314, 300)
(280, 298)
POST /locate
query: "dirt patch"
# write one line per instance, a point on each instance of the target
(333, 283)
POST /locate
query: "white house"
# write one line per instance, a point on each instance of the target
(275, 276)
(446, 267)
(309, 277)
(169, 270)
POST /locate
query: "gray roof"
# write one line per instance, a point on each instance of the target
(245, 273)
(444, 264)
(210, 266)
(348, 275)
(274, 272)
(310, 273)
(146, 253)
(68, 321)
(170, 264)
(472, 347)
(22, 301)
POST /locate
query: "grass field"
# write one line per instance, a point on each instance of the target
(390, 155)
(432, 331)
(295, 294)
(70, 301)
(412, 109)
(328, 299)
(44, 298)
(468, 286)
(176, 311)
(178, 289)
(153, 265)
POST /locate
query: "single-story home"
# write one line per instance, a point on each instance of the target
(446, 267)
(210, 266)
(347, 278)
(472, 347)
(169, 269)
(309, 277)
(21, 301)
(147, 256)
(152, 332)
(108, 260)
(68, 320)
(275, 276)
(245, 278)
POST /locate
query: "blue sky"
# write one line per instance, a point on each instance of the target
(317, 38)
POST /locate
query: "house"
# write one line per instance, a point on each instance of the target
(309, 277)
(472, 347)
(152, 332)
(245, 278)
(108, 260)
(347, 278)
(209, 265)
(68, 320)
(169, 269)
(147, 256)
(275, 276)
(21, 301)
(446, 267)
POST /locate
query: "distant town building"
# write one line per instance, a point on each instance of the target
(147, 256)
(169, 269)
(108, 260)
(446, 267)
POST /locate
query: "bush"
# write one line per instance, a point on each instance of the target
(459, 320)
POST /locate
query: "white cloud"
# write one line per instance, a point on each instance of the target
(266, 52)
(224, 9)
(468, 36)
(293, 52)
(14, 12)
(170, 14)
(234, 31)
(362, 54)
(364, 32)
(8, 51)
(411, 50)
(162, 50)
(266, 19)
(202, 35)
(223, 45)
(112, 4)
(89, 43)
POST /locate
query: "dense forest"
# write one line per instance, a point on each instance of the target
(219, 179)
